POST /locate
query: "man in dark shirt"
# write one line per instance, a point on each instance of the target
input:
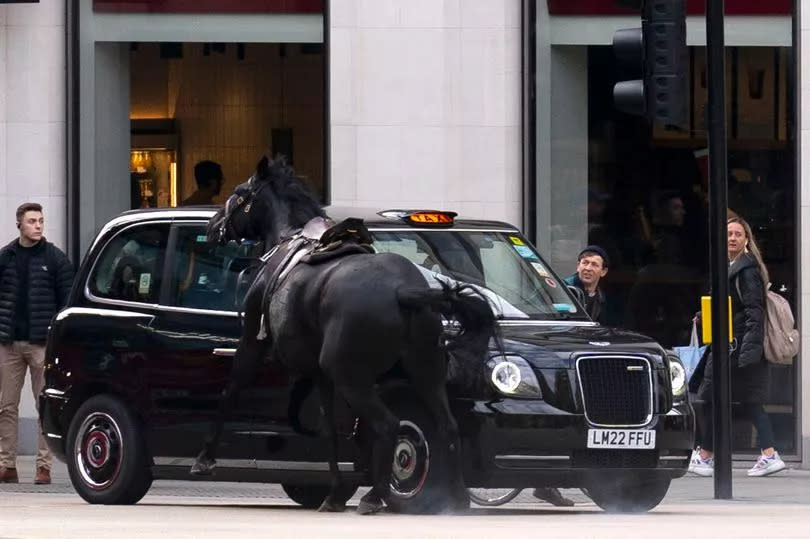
(592, 266)
(209, 178)
(35, 279)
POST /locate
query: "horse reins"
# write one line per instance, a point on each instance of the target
(240, 201)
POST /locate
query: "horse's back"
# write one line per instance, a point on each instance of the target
(363, 283)
(354, 311)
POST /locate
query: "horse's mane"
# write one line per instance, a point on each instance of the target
(290, 191)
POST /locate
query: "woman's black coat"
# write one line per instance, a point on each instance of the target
(749, 371)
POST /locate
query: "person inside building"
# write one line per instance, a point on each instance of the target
(748, 281)
(209, 178)
(36, 279)
(669, 242)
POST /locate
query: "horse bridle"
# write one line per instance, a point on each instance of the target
(241, 200)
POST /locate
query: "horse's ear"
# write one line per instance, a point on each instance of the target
(261, 167)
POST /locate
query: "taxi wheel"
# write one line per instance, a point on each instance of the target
(629, 495)
(312, 496)
(106, 454)
(493, 497)
(418, 476)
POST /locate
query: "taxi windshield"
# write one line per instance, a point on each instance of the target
(501, 264)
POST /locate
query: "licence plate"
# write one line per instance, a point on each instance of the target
(621, 439)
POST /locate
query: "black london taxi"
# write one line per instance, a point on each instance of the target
(137, 360)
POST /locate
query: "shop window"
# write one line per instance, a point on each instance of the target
(648, 203)
(229, 103)
(153, 164)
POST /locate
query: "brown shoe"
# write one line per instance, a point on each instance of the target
(43, 476)
(9, 475)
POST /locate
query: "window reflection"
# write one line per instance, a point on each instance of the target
(648, 202)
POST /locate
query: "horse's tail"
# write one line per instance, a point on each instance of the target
(464, 304)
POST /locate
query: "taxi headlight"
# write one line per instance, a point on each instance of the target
(512, 376)
(678, 376)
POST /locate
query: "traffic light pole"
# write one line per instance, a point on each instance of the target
(718, 201)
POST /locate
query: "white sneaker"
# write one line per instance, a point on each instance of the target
(767, 465)
(699, 466)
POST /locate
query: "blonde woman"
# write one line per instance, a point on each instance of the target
(748, 281)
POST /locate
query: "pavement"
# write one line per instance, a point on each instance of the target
(774, 506)
(791, 487)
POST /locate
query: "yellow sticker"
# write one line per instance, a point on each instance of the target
(516, 240)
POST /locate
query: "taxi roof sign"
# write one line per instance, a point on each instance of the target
(422, 217)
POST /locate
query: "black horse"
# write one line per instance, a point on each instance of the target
(346, 322)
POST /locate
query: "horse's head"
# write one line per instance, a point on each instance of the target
(271, 205)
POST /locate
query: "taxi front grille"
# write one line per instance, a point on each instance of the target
(616, 390)
(613, 458)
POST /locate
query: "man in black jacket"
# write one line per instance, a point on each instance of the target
(592, 266)
(35, 279)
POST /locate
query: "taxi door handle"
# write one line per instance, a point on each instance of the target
(225, 352)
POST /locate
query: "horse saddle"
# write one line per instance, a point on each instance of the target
(350, 236)
(316, 243)
(315, 228)
(320, 240)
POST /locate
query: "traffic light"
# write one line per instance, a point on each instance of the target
(657, 52)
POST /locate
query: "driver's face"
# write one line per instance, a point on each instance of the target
(591, 268)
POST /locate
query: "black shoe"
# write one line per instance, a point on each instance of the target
(552, 496)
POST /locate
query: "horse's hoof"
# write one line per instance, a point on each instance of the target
(369, 508)
(330, 507)
(459, 503)
(203, 467)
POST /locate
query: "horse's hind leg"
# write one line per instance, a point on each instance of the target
(245, 364)
(429, 380)
(367, 404)
(335, 501)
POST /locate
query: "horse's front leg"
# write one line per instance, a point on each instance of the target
(245, 364)
(243, 370)
(336, 500)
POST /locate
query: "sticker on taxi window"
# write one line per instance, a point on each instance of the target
(516, 240)
(551, 282)
(540, 269)
(144, 282)
(524, 251)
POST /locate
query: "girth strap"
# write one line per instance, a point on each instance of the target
(288, 254)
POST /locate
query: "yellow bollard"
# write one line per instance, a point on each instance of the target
(706, 319)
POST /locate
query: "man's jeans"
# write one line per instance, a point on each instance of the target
(14, 358)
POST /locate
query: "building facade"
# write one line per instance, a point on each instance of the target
(493, 108)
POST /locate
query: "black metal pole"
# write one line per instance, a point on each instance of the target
(718, 200)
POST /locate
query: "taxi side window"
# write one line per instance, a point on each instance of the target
(207, 275)
(416, 252)
(131, 266)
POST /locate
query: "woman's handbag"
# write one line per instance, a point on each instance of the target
(691, 355)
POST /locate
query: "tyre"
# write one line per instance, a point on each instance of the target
(419, 471)
(628, 496)
(492, 497)
(106, 454)
(312, 496)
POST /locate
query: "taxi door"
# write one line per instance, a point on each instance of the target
(196, 330)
